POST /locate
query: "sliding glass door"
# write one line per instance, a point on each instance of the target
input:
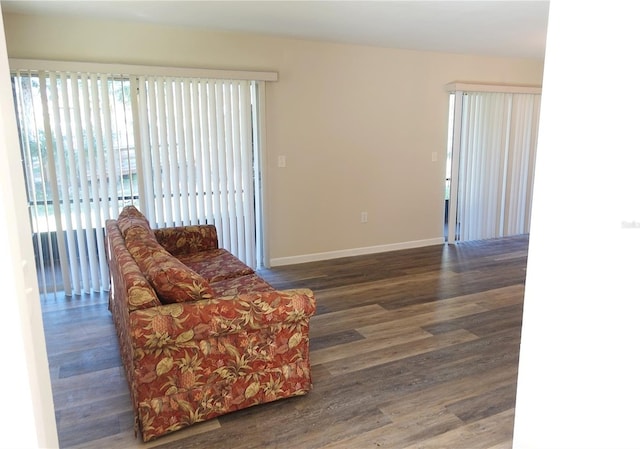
(183, 150)
(493, 141)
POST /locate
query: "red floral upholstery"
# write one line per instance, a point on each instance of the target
(216, 264)
(187, 239)
(239, 285)
(172, 280)
(131, 217)
(175, 282)
(127, 280)
(241, 343)
(207, 358)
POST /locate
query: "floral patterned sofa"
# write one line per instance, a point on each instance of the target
(201, 334)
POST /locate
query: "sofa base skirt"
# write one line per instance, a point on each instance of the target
(166, 414)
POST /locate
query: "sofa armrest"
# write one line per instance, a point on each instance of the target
(184, 324)
(181, 240)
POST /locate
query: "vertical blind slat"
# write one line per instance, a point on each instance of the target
(167, 138)
(221, 171)
(255, 115)
(238, 184)
(156, 162)
(214, 134)
(207, 149)
(31, 129)
(22, 94)
(190, 214)
(93, 221)
(228, 124)
(101, 191)
(199, 114)
(111, 208)
(247, 178)
(52, 181)
(146, 151)
(175, 148)
(75, 246)
(195, 165)
(72, 283)
(84, 210)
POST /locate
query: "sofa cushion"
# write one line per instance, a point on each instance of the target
(127, 280)
(130, 217)
(172, 280)
(139, 241)
(216, 264)
(239, 285)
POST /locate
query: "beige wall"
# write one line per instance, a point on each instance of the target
(357, 124)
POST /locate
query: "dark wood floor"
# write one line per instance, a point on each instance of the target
(409, 349)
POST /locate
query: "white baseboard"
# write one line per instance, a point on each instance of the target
(304, 258)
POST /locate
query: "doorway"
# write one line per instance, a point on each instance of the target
(492, 139)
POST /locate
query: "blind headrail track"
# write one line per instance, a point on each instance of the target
(138, 70)
(459, 86)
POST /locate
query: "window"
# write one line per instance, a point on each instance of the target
(182, 149)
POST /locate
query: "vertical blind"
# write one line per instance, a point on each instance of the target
(198, 134)
(494, 153)
(75, 132)
(181, 149)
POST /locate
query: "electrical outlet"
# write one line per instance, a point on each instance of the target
(364, 217)
(282, 161)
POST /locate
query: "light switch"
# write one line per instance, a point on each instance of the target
(434, 156)
(282, 161)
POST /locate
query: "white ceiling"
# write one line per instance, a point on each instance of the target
(512, 28)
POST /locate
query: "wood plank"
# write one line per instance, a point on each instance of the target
(416, 319)
(426, 422)
(446, 393)
(421, 416)
(494, 430)
(334, 322)
(383, 340)
(391, 353)
(83, 389)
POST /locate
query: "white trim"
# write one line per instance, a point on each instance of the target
(138, 70)
(304, 258)
(263, 173)
(31, 422)
(458, 86)
(455, 168)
